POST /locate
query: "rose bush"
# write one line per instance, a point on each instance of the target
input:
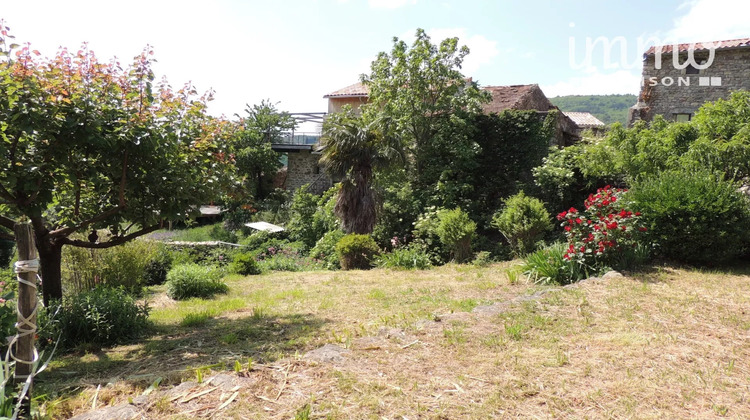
(606, 234)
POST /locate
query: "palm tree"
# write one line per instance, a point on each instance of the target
(353, 146)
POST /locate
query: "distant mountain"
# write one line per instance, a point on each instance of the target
(608, 108)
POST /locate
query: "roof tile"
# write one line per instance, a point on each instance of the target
(355, 90)
(584, 119)
(698, 46)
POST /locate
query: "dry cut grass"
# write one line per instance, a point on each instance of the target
(668, 343)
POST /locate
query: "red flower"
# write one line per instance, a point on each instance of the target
(578, 220)
(567, 228)
(642, 229)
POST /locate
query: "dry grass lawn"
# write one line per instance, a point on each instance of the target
(667, 343)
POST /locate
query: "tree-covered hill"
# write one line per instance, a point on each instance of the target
(608, 108)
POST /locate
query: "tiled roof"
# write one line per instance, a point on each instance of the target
(355, 90)
(584, 119)
(697, 46)
(516, 97)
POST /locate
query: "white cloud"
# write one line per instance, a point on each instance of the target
(711, 20)
(389, 4)
(596, 83)
(483, 50)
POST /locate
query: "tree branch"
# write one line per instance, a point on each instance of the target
(5, 194)
(68, 230)
(112, 242)
(7, 222)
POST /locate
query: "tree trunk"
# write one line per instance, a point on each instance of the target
(50, 261)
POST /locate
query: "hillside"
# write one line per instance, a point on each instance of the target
(608, 108)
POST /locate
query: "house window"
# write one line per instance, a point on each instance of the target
(682, 117)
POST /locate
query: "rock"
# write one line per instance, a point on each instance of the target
(118, 412)
(611, 275)
(329, 353)
(224, 381)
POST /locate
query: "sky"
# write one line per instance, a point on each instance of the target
(295, 51)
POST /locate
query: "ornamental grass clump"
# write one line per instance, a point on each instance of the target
(192, 280)
(606, 233)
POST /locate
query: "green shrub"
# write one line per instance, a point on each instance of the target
(311, 217)
(325, 250)
(287, 259)
(301, 213)
(412, 256)
(549, 265)
(120, 266)
(192, 280)
(523, 222)
(220, 233)
(103, 316)
(356, 251)
(157, 268)
(202, 254)
(456, 230)
(425, 231)
(244, 264)
(693, 216)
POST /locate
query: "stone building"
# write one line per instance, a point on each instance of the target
(302, 167)
(303, 159)
(705, 71)
(531, 98)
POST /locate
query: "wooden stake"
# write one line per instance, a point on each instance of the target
(24, 347)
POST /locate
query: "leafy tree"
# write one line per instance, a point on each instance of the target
(353, 147)
(421, 89)
(87, 145)
(262, 126)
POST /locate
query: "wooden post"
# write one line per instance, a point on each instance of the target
(24, 347)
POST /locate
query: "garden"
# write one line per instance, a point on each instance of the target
(459, 267)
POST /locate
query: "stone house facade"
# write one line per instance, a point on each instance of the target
(303, 160)
(531, 98)
(715, 70)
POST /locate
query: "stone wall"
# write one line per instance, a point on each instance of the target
(669, 91)
(303, 168)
